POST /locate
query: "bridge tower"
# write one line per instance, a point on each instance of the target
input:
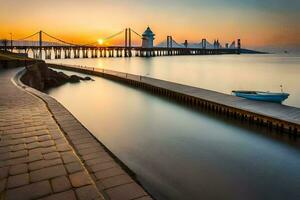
(40, 44)
(127, 51)
(185, 44)
(203, 43)
(4, 42)
(239, 46)
(169, 41)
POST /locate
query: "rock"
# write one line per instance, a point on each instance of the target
(74, 79)
(40, 77)
(87, 78)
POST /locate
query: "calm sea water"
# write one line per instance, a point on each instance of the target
(180, 153)
(220, 73)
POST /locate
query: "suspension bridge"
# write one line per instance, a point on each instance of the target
(43, 45)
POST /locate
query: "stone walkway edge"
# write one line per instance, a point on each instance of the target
(94, 172)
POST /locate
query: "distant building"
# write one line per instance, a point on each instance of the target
(148, 38)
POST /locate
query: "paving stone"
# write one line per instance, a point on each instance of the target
(16, 161)
(98, 160)
(116, 180)
(44, 163)
(67, 195)
(44, 138)
(109, 173)
(83, 141)
(43, 150)
(28, 192)
(52, 155)
(63, 147)
(126, 192)
(90, 150)
(2, 185)
(18, 169)
(87, 145)
(18, 135)
(144, 198)
(12, 155)
(103, 166)
(18, 180)
(89, 192)
(4, 149)
(18, 147)
(33, 145)
(31, 139)
(95, 155)
(69, 157)
(60, 141)
(80, 136)
(60, 184)
(79, 179)
(57, 136)
(74, 167)
(47, 173)
(40, 132)
(3, 172)
(34, 157)
(47, 143)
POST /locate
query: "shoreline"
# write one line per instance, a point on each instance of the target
(45, 152)
(50, 100)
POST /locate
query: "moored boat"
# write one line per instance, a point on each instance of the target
(262, 96)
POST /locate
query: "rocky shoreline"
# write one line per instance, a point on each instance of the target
(41, 77)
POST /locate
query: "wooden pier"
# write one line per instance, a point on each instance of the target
(275, 116)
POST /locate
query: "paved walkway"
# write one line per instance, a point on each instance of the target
(45, 153)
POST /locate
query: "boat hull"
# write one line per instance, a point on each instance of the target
(263, 96)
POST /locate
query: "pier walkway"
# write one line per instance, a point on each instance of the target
(46, 153)
(273, 115)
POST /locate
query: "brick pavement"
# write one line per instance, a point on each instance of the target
(46, 153)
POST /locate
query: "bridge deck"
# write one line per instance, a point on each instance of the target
(282, 113)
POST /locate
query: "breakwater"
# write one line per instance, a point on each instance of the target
(275, 116)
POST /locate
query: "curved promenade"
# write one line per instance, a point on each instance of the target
(46, 153)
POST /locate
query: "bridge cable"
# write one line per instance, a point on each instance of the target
(27, 37)
(114, 35)
(107, 38)
(136, 33)
(69, 43)
(177, 43)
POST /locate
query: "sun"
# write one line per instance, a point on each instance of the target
(100, 41)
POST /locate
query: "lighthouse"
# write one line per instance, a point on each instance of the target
(148, 38)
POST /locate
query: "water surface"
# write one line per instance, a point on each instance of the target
(179, 153)
(222, 73)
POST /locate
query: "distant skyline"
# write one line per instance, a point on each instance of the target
(268, 24)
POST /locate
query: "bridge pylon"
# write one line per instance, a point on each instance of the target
(40, 44)
(127, 51)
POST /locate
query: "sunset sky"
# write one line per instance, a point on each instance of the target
(259, 23)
